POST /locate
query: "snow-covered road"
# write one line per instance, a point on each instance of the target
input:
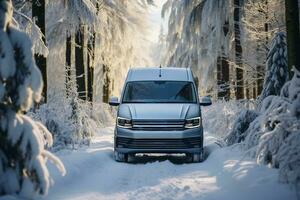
(93, 174)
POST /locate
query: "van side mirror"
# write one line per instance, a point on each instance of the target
(205, 101)
(113, 101)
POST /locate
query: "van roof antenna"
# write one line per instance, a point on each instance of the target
(159, 71)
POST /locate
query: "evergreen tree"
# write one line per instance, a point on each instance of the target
(22, 140)
(277, 72)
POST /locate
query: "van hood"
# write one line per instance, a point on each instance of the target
(159, 111)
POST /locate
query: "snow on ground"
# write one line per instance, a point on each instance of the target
(93, 174)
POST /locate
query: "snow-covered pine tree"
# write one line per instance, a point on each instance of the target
(23, 158)
(240, 126)
(277, 73)
(273, 137)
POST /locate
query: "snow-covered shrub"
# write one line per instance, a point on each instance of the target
(66, 128)
(23, 169)
(273, 137)
(68, 118)
(270, 107)
(240, 126)
(288, 157)
(71, 129)
(71, 120)
(219, 117)
(104, 114)
(277, 72)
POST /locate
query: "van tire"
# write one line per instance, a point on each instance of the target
(196, 157)
(120, 157)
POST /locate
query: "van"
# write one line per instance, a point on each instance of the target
(159, 112)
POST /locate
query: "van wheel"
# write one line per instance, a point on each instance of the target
(120, 157)
(196, 157)
(130, 157)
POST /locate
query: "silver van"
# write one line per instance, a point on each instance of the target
(159, 112)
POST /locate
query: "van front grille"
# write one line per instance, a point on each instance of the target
(158, 125)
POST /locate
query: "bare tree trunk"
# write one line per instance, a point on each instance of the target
(79, 63)
(106, 85)
(267, 26)
(238, 51)
(106, 78)
(38, 14)
(223, 78)
(254, 91)
(223, 71)
(265, 43)
(68, 62)
(247, 90)
(293, 35)
(260, 79)
(90, 63)
(260, 69)
(219, 78)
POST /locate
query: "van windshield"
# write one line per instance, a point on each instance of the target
(159, 92)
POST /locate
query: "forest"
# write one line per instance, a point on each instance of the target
(62, 60)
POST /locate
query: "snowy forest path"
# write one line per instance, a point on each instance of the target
(92, 174)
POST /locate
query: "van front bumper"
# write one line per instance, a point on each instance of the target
(140, 141)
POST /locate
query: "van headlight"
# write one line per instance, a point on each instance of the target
(124, 123)
(193, 122)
